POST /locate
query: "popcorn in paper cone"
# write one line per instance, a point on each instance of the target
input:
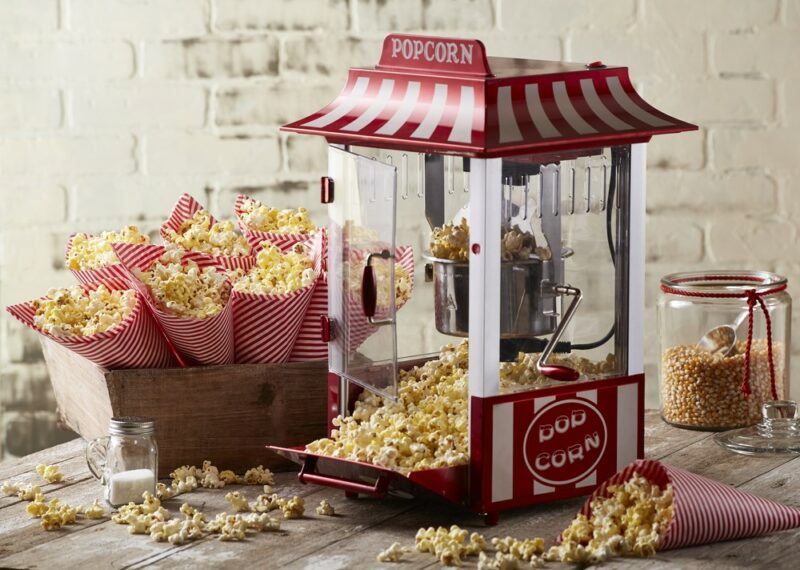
(134, 342)
(181, 218)
(206, 340)
(309, 344)
(108, 270)
(283, 240)
(704, 510)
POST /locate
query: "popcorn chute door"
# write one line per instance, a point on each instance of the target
(361, 264)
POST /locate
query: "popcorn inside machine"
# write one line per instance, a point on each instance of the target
(485, 276)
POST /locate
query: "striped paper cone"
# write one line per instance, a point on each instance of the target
(266, 326)
(204, 341)
(184, 209)
(359, 328)
(112, 276)
(284, 242)
(136, 342)
(704, 510)
(309, 344)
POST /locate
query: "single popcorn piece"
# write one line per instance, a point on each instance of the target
(392, 554)
(58, 515)
(92, 252)
(268, 489)
(161, 531)
(451, 241)
(49, 473)
(229, 527)
(186, 289)
(258, 476)
(276, 272)
(150, 504)
(75, 312)
(229, 477)
(95, 510)
(10, 488)
(261, 522)
(211, 479)
(293, 508)
(37, 507)
(257, 217)
(237, 501)
(266, 503)
(28, 492)
(199, 234)
(325, 508)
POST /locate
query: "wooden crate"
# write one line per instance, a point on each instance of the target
(226, 414)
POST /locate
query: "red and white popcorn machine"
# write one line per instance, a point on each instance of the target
(438, 132)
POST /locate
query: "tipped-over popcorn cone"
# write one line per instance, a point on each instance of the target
(704, 510)
(134, 342)
(184, 209)
(206, 340)
(309, 344)
(283, 241)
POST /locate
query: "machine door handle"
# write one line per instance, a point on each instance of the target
(369, 289)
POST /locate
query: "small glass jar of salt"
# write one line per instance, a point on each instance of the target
(125, 462)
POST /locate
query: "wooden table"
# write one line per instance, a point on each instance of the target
(363, 527)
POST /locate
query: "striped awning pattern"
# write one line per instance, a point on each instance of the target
(488, 116)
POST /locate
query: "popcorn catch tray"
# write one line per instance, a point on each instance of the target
(358, 478)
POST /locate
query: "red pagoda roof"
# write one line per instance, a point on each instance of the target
(444, 95)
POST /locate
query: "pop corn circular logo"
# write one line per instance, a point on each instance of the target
(565, 441)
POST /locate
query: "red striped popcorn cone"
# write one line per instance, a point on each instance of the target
(112, 276)
(266, 326)
(184, 209)
(309, 344)
(704, 510)
(206, 340)
(283, 241)
(135, 342)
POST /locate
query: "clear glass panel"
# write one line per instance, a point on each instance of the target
(361, 233)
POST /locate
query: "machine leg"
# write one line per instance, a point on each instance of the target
(491, 519)
(351, 494)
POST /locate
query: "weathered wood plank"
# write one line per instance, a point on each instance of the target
(17, 467)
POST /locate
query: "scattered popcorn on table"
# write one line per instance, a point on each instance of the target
(58, 514)
(522, 549)
(276, 272)
(293, 508)
(237, 501)
(325, 508)
(198, 234)
(9, 488)
(257, 217)
(451, 241)
(261, 522)
(230, 527)
(93, 252)
(185, 289)
(392, 554)
(95, 510)
(75, 312)
(49, 473)
(450, 546)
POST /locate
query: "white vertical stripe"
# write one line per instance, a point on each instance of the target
(599, 109)
(588, 481)
(462, 127)
(627, 423)
(590, 395)
(568, 111)
(345, 105)
(378, 104)
(502, 452)
(403, 111)
(541, 489)
(509, 130)
(636, 258)
(540, 403)
(434, 115)
(624, 101)
(538, 116)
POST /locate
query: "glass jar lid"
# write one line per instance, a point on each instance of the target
(723, 283)
(131, 425)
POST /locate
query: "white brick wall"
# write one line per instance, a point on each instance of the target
(110, 108)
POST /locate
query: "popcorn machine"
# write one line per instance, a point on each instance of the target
(506, 196)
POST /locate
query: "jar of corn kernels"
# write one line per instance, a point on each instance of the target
(725, 345)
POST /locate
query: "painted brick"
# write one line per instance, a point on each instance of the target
(212, 58)
(65, 60)
(791, 102)
(27, 108)
(502, 44)
(388, 15)
(674, 239)
(717, 100)
(326, 56)
(210, 155)
(307, 155)
(703, 193)
(745, 148)
(712, 14)
(768, 51)
(142, 106)
(139, 18)
(75, 154)
(24, 17)
(682, 151)
(235, 15)
(792, 14)
(34, 205)
(547, 16)
(27, 276)
(255, 104)
(27, 385)
(458, 15)
(739, 239)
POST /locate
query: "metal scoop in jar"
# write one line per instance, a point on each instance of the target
(722, 339)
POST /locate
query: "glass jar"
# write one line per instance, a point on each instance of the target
(710, 380)
(125, 462)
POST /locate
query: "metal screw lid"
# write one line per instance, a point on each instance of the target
(131, 425)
